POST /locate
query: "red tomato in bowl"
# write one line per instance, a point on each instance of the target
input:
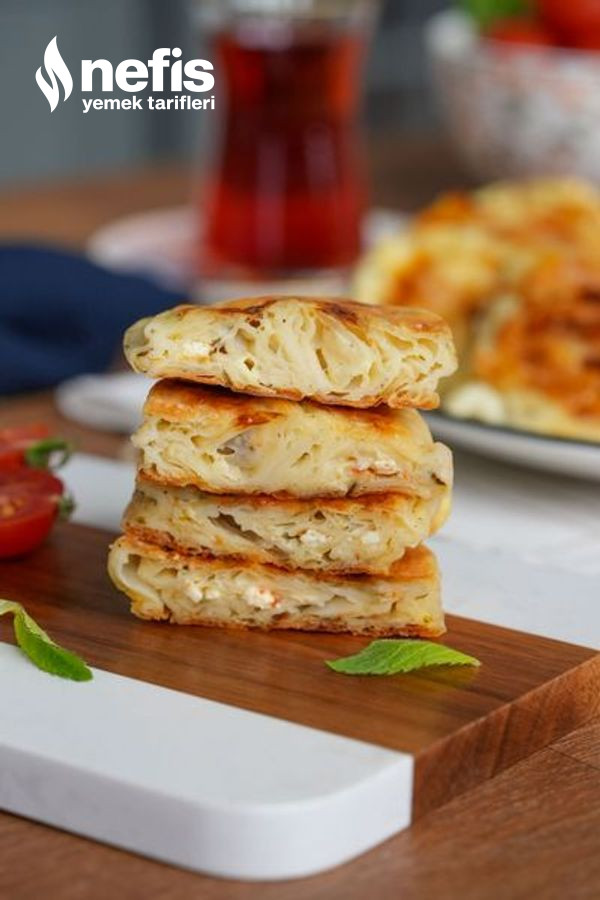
(15, 441)
(520, 31)
(575, 21)
(591, 41)
(29, 504)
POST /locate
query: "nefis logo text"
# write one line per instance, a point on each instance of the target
(166, 71)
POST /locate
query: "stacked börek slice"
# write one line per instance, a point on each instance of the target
(285, 478)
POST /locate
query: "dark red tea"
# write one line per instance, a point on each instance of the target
(287, 191)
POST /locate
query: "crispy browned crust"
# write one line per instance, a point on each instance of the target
(418, 562)
(354, 316)
(399, 400)
(150, 474)
(384, 500)
(180, 401)
(176, 400)
(305, 623)
(350, 312)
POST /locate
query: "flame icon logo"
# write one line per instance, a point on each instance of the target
(57, 70)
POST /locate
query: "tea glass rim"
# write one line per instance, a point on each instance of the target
(209, 11)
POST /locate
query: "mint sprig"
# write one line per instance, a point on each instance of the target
(49, 453)
(41, 649)
(390, 656)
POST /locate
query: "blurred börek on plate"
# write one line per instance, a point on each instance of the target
(515, 269)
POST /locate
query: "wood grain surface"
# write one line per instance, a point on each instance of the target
(462, 724)
(532, 832)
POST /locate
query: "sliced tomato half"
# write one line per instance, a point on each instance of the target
(34, 481)
(15, 441)
(29, 504)
(26, 519)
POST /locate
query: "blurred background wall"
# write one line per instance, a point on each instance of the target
(72, 143)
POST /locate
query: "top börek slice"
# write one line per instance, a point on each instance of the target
(330, 351)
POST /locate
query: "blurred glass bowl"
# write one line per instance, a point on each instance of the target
(513, 110)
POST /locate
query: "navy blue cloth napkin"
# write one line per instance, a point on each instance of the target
(62, 315)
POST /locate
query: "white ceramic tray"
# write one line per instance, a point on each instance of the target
(189, 781)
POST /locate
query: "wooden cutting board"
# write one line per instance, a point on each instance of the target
(459, 725)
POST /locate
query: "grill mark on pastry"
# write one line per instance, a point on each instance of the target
(175, 399)
(403, 352)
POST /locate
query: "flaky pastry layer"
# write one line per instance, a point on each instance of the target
(332, 351)
(189, 590)
(364, 534)
(230, 443)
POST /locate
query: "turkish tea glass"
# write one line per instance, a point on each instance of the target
(284, 190)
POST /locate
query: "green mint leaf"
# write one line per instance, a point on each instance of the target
(49, 453)
(45, 654)
(486, 12)
(389, 657)
(41, 649)
(9, 606)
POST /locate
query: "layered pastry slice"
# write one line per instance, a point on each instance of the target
(331, 351)
(167, 585)
(230, 443)
(362, 534)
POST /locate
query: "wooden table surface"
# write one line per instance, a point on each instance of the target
(533, 831)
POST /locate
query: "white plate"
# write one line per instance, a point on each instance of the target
(576, 459)
(160, 243)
